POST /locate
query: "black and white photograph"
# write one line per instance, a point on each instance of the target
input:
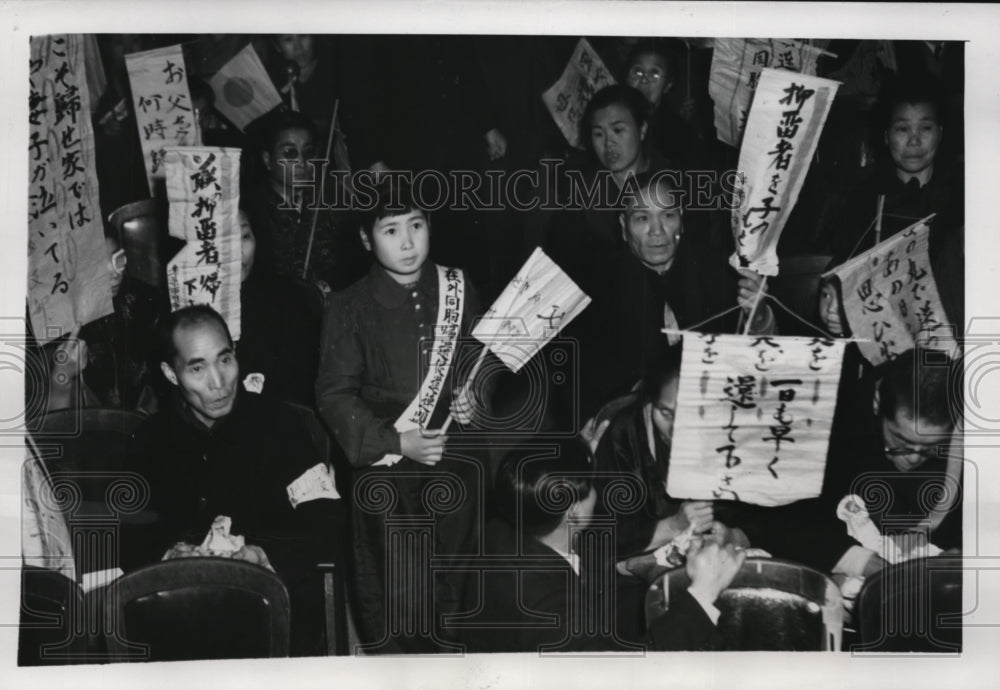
(499, 344)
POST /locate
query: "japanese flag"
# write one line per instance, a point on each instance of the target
(243, 91)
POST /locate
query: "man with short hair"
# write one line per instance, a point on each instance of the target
(219, 450)
(888, 447)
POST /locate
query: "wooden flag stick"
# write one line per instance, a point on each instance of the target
(753, 309)
(468, 384)
(878, 218)
(322, 194)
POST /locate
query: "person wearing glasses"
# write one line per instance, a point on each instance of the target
(634, 450)
(675, 132)
(888, 447)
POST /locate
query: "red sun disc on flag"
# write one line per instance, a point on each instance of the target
(238, 92)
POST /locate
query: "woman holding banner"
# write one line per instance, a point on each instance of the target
(909, 184)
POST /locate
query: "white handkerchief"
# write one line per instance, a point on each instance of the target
(853, 512)
(316, 482)
(254, 383)
(218, 541)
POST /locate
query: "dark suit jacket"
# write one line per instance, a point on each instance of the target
(523, 603)
(685, 627)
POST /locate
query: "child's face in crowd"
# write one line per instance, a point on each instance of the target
(296, 47)
(296, 146)
(617, 137)
(649, 75)
(652, 228)
(913, 137)
(829, 308)
(400, 244)
(249, 243)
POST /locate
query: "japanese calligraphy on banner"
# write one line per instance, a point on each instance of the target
(736, 67)
(69, 281)
(891, 299)
(536, 304)
(787, 116)
(203, 188)
(243, 91)
(585, 75)
(164, 113)
(753, 417)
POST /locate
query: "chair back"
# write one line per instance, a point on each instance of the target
(50, 630)
(915, 606)
(87, 446)
(84, 452)
(772, 605)
(198, 608)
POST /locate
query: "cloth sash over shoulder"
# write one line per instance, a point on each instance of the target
(451, 303)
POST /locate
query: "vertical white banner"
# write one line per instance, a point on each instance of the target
(164, 113)
(69, 280)
(786, 119)
(203, 188)
(736, 67)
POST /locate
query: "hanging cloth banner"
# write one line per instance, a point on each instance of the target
(69, 276)
(753, 417)
(786, 119)
(584, 75)
(891, 299)
(164, 113)
(736, 67)
(203, 188)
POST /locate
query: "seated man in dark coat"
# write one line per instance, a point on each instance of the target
(548, 570)
(217, 450)
(888, 447)
(661, 277)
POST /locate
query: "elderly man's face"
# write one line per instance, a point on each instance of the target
(205, 369)
(652, 227)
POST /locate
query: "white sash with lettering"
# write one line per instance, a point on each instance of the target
(451, 302)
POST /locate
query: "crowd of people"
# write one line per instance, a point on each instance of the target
(346, 312)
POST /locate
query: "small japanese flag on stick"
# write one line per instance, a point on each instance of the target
(534, 307)
(243, 91)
